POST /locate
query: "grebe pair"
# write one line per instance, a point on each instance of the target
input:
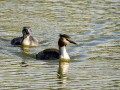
(47, 54)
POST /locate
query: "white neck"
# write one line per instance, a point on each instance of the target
(25, 40)
(63, 53)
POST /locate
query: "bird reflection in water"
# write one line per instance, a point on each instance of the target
(25, 48)
(61, 74)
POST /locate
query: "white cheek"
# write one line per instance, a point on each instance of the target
(65, 41)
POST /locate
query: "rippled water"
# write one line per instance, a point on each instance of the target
(95, 61)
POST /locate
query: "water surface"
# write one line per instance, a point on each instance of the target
(95, 61)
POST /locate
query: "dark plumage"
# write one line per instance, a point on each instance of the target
(17, 41)
(48, 54)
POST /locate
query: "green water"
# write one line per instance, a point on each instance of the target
(95, 61)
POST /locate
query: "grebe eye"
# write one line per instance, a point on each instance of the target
(67, 39)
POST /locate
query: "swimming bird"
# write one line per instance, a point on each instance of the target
(50, 54)
(26, 39)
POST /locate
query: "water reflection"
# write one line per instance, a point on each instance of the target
(24, 64)
(61, 74)
(25, 48)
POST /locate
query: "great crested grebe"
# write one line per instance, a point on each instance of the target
(50, 54)
(26, 39)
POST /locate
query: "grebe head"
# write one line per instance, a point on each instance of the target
(26, 31)
(64, 39)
